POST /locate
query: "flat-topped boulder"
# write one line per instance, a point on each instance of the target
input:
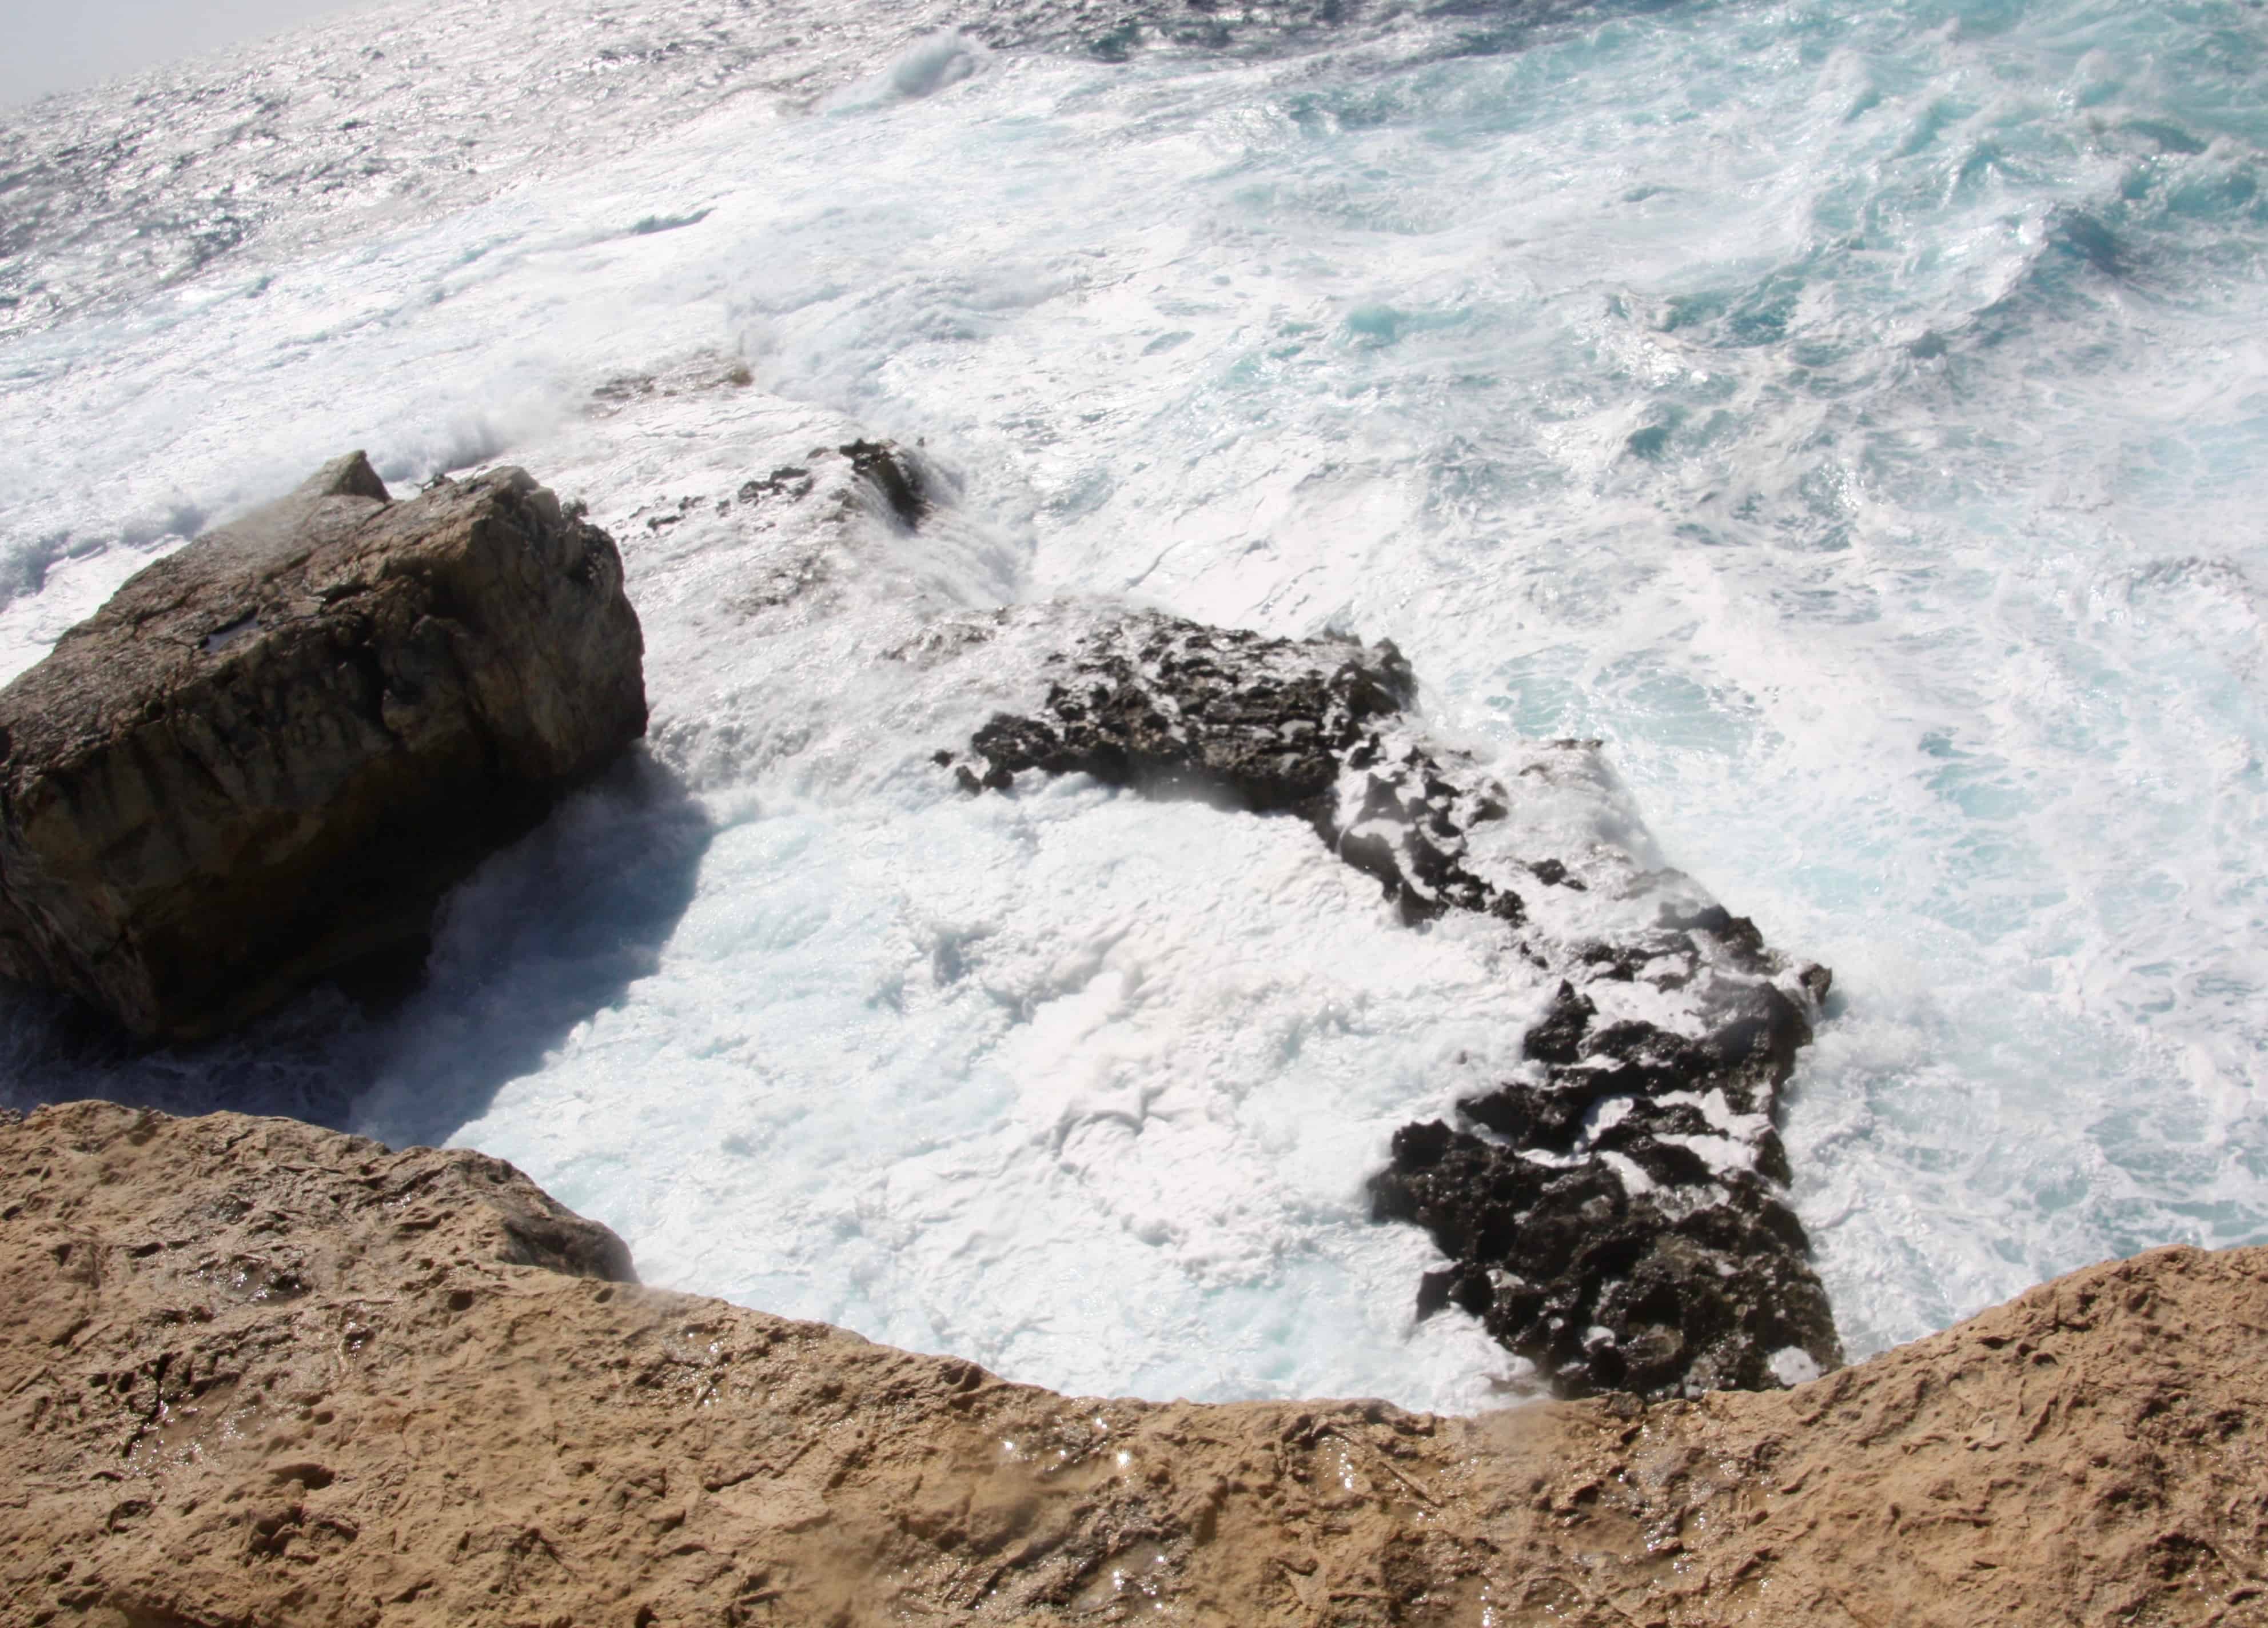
(271, 753)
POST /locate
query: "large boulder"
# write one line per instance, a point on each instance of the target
(272, 752)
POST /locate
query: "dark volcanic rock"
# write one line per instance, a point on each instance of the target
(270, 753)
(1614, 1212)
(1277, 727)
(892, 473)
(1610, 1229)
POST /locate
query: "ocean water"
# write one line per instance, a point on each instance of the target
(1856, 416)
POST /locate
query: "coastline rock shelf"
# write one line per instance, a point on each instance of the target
(269, 754)
(1614, 1212)
(255, 1372)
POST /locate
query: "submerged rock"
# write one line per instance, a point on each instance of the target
(269, 754)
(1614, 1212)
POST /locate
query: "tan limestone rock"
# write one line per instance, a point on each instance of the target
(257, 1372)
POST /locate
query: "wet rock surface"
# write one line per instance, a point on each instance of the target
(254, 1371)
(1615, 1214)
(267, 757)
(893, 476)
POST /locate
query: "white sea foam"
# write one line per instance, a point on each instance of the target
(1854, 416)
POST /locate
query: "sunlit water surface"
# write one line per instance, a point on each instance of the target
(1855, 416)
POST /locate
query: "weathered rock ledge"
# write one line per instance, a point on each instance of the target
(257, 1372)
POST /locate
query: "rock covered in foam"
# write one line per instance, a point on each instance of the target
(1614, 1212)
(271, 752)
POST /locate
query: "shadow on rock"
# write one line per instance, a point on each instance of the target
(545, 935)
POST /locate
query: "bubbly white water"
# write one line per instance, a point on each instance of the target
(1855, 415)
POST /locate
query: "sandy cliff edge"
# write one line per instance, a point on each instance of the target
(257, 1372)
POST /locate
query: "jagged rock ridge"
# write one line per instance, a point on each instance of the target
(1615, 1214)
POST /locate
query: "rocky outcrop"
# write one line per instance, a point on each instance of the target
(270, 753)
(258, 1372)
(1615, 1212)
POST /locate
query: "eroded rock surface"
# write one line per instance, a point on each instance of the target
(270, 753)
(255, 1373)
(1615, 1214)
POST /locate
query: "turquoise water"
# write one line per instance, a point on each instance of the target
(1856, 416)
